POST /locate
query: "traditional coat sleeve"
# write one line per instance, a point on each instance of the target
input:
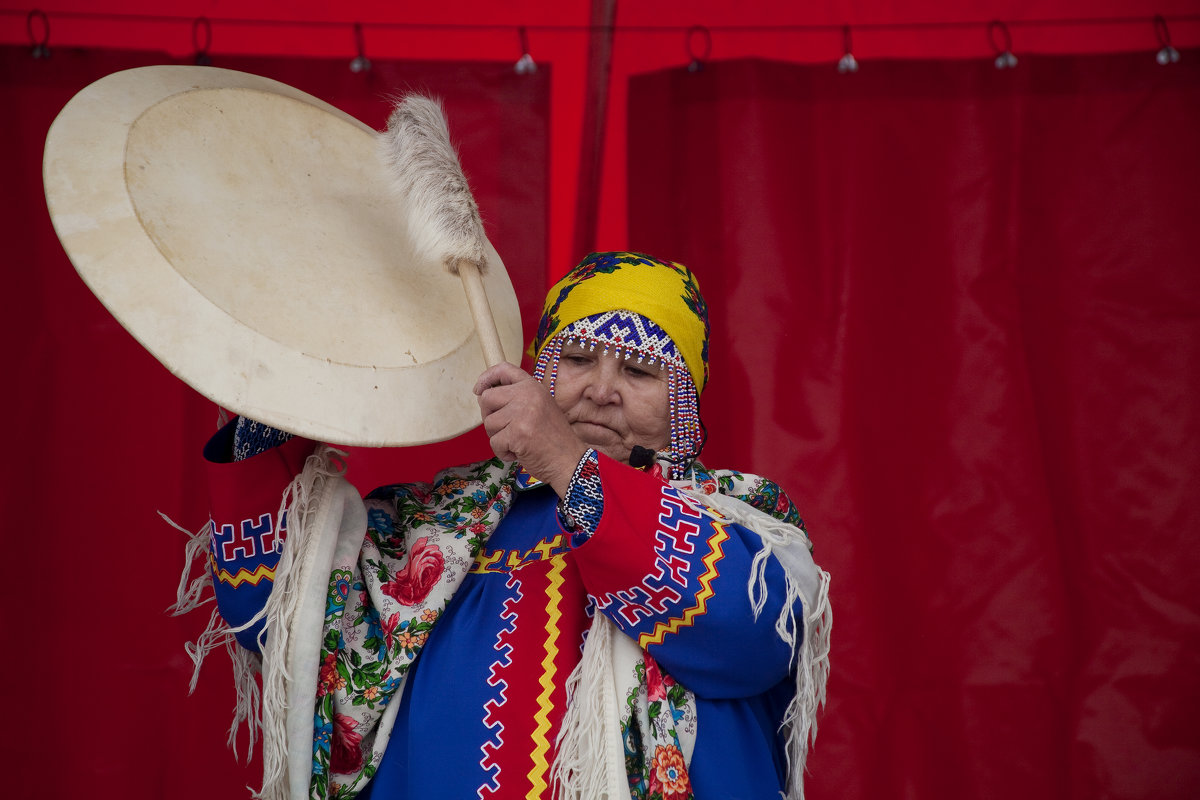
(675, 579)
(246, 529)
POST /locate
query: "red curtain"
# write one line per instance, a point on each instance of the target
(957, 315)
(101, 437)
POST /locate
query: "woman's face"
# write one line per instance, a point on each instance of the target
(612, 403)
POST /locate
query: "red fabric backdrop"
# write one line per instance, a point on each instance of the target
(958, 316)
(103, 437)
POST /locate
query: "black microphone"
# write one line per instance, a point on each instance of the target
(641, 457)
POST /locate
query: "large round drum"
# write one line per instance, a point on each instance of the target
(247, 235)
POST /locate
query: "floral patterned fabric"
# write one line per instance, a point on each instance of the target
(656, 708)
(754, 490)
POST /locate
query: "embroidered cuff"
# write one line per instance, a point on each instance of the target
(580, 510)
(251, 438)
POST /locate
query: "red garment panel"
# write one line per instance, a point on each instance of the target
(101, 437)
(956, 314)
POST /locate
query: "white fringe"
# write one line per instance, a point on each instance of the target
(804, 581)
(581, 770)
(190, 596)
(441, 215)
(800, 719)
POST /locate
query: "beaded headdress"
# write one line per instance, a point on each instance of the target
(661, 291)
(633, 305)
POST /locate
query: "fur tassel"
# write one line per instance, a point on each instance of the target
(441, 215)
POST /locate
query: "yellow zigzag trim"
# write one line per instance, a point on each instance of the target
(716, 553)
(244, 575)
(541, 743)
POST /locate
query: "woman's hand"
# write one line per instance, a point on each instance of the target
(524, 424)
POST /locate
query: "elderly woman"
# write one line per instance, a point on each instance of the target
(591, 612)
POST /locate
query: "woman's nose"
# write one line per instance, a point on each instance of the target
(602, 389)
(601, 392)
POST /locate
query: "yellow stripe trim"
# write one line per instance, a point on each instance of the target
(541, 740)
(715, 554)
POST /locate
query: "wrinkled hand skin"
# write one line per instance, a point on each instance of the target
(524, 424)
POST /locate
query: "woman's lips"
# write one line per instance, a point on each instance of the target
(588, 426)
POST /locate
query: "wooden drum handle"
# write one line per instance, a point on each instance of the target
(481, 313)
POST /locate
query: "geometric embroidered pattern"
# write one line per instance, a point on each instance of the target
(716, 552)
(251, 437)
(492, 718)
